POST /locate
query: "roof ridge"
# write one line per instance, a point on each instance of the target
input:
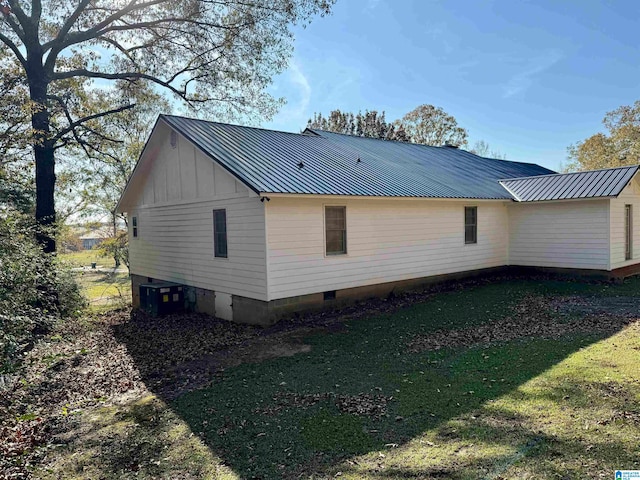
(227, 124)
(314, 130)
(567, 173)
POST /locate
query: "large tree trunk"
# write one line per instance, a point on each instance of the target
(44, 156)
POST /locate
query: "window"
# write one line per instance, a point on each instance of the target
(134, 225)
(335, 220)
(220, 233)
(628, 232)
(470, 225)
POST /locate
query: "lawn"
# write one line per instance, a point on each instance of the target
(104, 287)
(515, 379)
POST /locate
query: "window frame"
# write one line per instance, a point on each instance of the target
(473, 225)
(628, 231)
(134, 226)
(217, 253)
(346, 248)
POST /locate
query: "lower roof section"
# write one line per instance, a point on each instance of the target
(608, 182)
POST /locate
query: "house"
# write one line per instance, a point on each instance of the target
(258, 224)
(94, 238)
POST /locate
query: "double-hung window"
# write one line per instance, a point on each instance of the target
(134, 226)
(335, 221)
(470, 225)
(220, 233)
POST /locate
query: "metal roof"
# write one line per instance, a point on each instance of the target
(333, 164)
(592, 184)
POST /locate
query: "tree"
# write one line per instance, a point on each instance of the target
(618, 147)
(217, 56)
(429, 125)
(483, 149)
(425, 124)
(371, 124)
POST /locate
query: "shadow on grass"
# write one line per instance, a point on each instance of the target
(286, 417)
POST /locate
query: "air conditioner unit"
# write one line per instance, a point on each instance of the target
(161, 298)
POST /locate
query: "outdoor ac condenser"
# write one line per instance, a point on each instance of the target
(161, 298)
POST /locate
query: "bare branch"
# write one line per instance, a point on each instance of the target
(130, 76)
(73, 125)
(7, 41)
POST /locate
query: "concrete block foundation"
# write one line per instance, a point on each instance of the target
(259, 312)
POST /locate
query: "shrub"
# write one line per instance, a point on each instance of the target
(35, 290)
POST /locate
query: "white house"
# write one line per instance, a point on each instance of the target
(258, 223)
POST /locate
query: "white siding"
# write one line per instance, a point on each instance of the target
(569, 234)
(387, 240)
(175, 222)
(629, 196)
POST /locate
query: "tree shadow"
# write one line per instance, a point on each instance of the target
(306, 414)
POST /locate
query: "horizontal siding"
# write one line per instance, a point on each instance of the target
(571, 234)
(175, 243)
(629, 196)
(387, 240)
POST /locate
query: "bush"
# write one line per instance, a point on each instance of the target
(35, 290)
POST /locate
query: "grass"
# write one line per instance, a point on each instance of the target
(103, 289)
(533, 408)
(84, 258)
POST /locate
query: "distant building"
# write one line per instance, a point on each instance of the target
(94, 238)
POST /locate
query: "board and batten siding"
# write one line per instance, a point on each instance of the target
(629, 196)
(387, 240)
(566, 234)
(174, 213)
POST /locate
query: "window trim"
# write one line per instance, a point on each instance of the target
(628, 232)
(474, 225)
(215, 234)
(134, 226)
(324, 231)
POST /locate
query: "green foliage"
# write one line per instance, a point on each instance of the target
(426, 124)
(35, 290)
(117, 248)
(618, 147)
(429, 125)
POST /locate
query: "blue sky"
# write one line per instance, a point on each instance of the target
(528, 77)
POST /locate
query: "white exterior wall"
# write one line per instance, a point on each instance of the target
(629, 196)
(387, 240)
(175, 222)
(567, 234)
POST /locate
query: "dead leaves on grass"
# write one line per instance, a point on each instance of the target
(363, 404)
(534, 316)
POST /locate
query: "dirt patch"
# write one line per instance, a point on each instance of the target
(536, 316)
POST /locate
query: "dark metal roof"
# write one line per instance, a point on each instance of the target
(592, 184)
(333, 164)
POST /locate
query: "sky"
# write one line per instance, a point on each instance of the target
(528, 77)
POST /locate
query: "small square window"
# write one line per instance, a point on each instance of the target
(134, 225)
(470, 225)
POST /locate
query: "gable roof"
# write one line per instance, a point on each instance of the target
(325, 163)
(608, 182)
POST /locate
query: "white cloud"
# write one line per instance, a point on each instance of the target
(304, 89)
(523, 80)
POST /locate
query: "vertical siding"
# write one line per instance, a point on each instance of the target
(387, 240)
(569, 234)
(629, 196)
(175, 223)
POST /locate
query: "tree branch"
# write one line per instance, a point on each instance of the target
(130, 76)
(7, 41)
(73, 125)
